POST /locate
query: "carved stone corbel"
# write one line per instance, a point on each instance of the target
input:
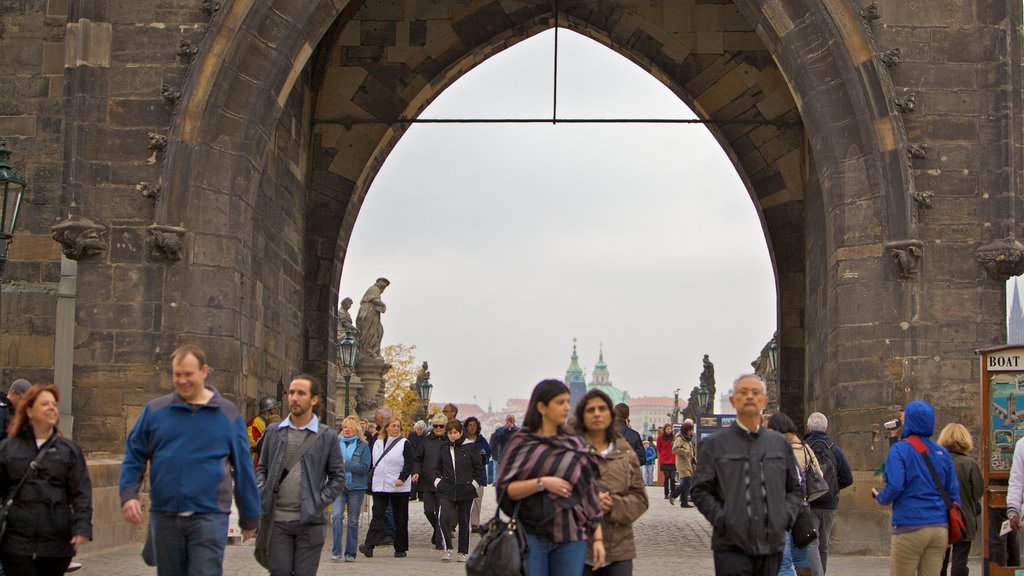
(80, 237)
(1002, 259)
(870, 13)
(906, 103)
(148, 190)
(171, 95)
(157, 142)
(890, 57)
(210, 7)
(918, 151)
(905, 256)
(186, 50)
(924, 200)
(166, 242)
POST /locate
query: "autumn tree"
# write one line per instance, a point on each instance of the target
(399, 383)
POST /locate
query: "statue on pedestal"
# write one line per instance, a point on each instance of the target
(345, 323)
(371, 332)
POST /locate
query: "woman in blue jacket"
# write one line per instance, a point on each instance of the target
(919, 519)
(356, 454)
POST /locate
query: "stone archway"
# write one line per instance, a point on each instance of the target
(262, 178)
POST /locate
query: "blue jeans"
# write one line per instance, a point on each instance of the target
(549, 559)
(353, 500)
(793, 558)
(192, 545)
(648, 474)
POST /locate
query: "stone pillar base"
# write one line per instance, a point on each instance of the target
(370, 372)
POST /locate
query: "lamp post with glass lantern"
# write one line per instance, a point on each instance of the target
(703, 398)
(773, 365)
(347, 352)
(423, 389)
(12, 184)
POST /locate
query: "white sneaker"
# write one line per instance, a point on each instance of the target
(447, 556)
(335, 558)
(462, 557)
(73, 566)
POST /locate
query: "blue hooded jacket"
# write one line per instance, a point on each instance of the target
(908, 483)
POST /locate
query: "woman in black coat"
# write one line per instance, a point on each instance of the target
(52, 512)
(460, 470)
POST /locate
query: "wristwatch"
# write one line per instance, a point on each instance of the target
(540, 484)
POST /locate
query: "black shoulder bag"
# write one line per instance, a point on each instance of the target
(14, 493)
(262, 548)
(502, 548)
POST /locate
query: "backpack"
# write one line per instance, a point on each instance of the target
(829, 467)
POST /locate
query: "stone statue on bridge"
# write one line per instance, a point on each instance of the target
(371, 331)
(345, 323)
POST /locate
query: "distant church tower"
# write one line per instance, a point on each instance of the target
(574, 378)
(601, 377)
(1015, 332)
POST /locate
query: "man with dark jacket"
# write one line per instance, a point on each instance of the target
(500, 438)
(631, 436)
(747, 486)
(424, 471)
(300, 472)
(823, 508)
(8, 404)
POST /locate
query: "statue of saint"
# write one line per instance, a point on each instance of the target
(707, 376)
(345, 323)
(371, 332)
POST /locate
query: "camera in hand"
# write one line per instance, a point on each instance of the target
(892, 424)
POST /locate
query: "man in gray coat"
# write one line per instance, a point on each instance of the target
(299, 474)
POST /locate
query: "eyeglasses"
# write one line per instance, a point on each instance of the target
(438, 425)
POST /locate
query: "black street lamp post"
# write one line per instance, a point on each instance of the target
(347, 352)
(423, 389)
(674, 414)
(12, 184)
(703, 398)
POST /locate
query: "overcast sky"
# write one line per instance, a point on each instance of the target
(504, 242)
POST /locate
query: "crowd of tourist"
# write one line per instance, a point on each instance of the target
(576, 478)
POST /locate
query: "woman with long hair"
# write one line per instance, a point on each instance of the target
(390, 468)
(474, 436)
(553, 477)
(52, 512)
(795, 560)
(666, 459)
(356, 454)
(621, 491)
(955, 438)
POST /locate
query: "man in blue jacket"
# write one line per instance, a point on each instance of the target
(198, 452)
(919, 518)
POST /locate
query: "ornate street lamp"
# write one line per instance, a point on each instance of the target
(424, 388)
(703, 397)
(347, 352)
(773, 357)
(12, 184)
(674, 414)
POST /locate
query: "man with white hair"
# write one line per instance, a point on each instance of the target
(836, 470)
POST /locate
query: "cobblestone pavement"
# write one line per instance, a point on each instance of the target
(669, 540)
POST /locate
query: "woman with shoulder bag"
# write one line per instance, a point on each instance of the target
(356, 454)
(621, 489)
(553, 477)
(392, 458)
(795, 560)
(956, 439)
(666, 459)
(52, 510)
(920, 520)
(459, 472)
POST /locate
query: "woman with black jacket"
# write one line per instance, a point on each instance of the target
(459, 471)
(52, 512)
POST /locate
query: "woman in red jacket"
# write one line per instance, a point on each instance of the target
(666, 459)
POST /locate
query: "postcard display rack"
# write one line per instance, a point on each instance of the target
(1002, 385)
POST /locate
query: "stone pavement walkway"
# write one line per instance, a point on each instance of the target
(669, 540)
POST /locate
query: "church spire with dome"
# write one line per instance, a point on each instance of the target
(602, 380)
(574, 378)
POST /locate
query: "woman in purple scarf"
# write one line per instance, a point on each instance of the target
(553, 477)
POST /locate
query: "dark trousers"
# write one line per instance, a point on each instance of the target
(1003, 550)
(960, 551)
(24, 565)
(733, 562)
(400, 506)
(430, 509)
(668, 474)
(620, 568)
(450, 513)
(295, 548)
(682, 490)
